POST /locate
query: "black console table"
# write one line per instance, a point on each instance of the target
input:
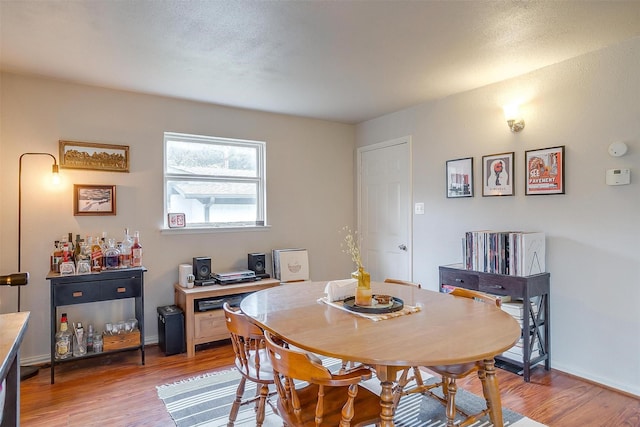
(104, 286)
(533, 291)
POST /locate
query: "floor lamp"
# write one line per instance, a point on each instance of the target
(28, 371)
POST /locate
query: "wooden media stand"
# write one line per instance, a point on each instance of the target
(206, 326)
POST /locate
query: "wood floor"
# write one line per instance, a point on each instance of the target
(117, 391)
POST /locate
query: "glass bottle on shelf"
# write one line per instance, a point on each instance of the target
(136, 251)
(63, 340)
(96, 255)
(67, 265)
(77, 248)
(79, 341)
(90, 334)
(111, 255)
(125, 253)
(56, 257)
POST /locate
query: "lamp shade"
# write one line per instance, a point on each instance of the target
(16, 279)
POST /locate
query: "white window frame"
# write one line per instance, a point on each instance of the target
(260, 180)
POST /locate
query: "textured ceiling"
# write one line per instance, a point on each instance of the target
(346, 61)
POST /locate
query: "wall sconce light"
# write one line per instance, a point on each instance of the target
(514, 120)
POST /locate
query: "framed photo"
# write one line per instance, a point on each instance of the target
(544, 171)
(94, 200)
(88, 155)
(176, 220)
(497, 174)
(460, 177)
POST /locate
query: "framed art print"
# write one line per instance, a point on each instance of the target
(89, 155)
(176, 220)
(94, 200)
(544, 171)
(460, 177)
(497, 174)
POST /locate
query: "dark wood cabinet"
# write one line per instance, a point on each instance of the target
(533, 291)
(108, 285)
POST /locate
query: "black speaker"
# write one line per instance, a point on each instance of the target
(257, 263)
(202, 268)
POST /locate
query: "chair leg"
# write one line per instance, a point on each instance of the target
(450, 385)
(237, 402)
(399, 387)
(260, 413)
(348, 410)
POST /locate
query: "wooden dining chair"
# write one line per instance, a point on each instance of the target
(309, 395)
(450, 373)
(402, 282)
(252, 361)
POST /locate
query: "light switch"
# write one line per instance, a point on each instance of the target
(419, 209)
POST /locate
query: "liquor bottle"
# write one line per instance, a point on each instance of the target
(67, 266)
(96, 255)
(77, 249)
(79, 341)
(90, 338)
(56, 257)
(111, 255)
(125, 253)
(136, 251)
(63, 339)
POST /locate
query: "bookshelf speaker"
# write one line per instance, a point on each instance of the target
(202, 268)
(257, 263)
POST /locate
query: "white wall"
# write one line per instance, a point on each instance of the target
(592, 231)
(309, 187)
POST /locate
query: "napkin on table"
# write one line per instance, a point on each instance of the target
(338, 290)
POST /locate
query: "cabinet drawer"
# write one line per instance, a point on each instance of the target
(459, 278)
(500, 285)
(211, 325)
(75, 293)
(116, 289)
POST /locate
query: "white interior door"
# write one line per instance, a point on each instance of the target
(384, 208)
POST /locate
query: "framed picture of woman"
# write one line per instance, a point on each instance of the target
(497, 174)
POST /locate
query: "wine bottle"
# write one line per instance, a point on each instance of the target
(136, 250)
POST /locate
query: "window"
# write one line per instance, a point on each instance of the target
(215, 182)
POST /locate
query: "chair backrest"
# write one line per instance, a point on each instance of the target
(309, 394)
(480, 296)
(402, 282)
(247, 340)
(293, 363)
(238, 324)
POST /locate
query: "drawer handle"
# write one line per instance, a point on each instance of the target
(121, 290)
(77, 294)
(459, 280)
(497, 287)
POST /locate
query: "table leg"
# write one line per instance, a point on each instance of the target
(387, 376)
(492, 392)
(386, 404)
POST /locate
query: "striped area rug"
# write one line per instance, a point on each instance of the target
(205, 401)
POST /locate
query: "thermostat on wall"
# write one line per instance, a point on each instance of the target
(618, 176)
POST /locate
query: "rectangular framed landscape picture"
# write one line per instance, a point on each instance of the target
(544, 171)
(460, 177)
(94, 200)
(497, 174)
(93, 156)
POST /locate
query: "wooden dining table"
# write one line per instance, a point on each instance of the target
(446, 330)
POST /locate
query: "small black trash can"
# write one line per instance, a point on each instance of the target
(171, 330)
